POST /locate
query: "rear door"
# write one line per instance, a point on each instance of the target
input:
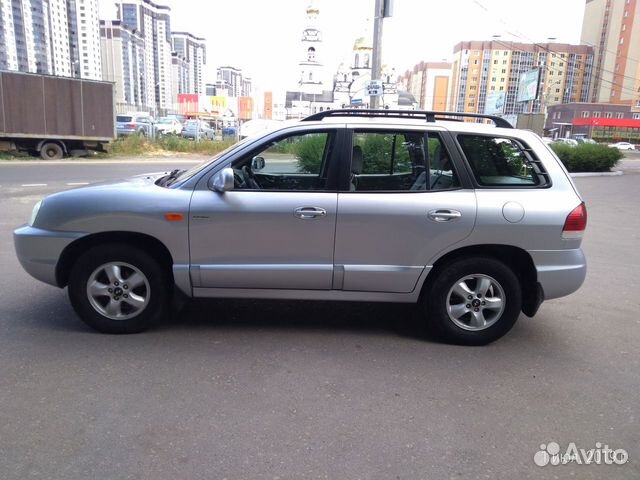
(404, 205)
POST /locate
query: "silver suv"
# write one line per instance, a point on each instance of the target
(476, 222)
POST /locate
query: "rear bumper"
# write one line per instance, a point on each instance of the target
(39, 250)
(560, 272)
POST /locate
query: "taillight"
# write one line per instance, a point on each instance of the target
(131, 126)
(576, 223)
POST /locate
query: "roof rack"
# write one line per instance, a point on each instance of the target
(429, 116)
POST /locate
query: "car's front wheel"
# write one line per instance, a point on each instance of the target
(472, 301)
(119, 289)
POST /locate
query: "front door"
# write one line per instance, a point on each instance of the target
(276, 228)
(405, 205)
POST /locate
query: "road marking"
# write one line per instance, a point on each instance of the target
(34, 185)
(73, 184)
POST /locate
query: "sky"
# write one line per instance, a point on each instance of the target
(262, 37)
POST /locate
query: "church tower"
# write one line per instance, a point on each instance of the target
(311, 68)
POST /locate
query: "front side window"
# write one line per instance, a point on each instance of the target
(296, 162)
(400, 162)
(497, 161)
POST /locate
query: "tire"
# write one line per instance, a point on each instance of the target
(108, 307)
(472, 321)
(51, 151)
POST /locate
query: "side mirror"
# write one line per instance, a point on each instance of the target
(222, 181)
(257, 163)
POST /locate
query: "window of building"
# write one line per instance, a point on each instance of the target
(596, 114)
(619, 115)
(497, 161)
(608, 114)
(585, 114)
(400, 161)
(636, 116)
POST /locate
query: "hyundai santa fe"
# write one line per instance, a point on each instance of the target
(474, 221)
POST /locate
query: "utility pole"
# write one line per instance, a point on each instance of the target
(376, 61)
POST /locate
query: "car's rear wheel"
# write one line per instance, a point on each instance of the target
(472, 301)
(119, 289)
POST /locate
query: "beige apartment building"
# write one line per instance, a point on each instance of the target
(492, 69)
(429, 83)
(612, 27)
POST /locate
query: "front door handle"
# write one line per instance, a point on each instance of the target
(308, 213)
(444, 215)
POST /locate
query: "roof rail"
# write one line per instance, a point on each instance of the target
(429, 116)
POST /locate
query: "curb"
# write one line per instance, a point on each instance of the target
(597, 174)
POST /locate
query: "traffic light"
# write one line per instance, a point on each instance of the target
(387, 9)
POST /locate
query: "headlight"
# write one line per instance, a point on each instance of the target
(34, 213)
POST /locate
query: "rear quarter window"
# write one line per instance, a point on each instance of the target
(500, 161)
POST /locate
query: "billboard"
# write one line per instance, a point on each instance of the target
(528, 86)
(218, 105)
(245, 108)
(188, 103)
(495, 103)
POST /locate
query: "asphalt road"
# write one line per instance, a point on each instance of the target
(295, 390)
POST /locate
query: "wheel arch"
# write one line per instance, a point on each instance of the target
(515, 258)
(149, 244)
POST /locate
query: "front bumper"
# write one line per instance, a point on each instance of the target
(560, 272)
(39, 250)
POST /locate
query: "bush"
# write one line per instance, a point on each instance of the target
(309, 151)
(587, 157)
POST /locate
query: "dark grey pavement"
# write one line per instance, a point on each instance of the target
(294, 390)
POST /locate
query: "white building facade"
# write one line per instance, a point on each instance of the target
(52, 37)
(123, 63)
(152, 22)
(193, 50)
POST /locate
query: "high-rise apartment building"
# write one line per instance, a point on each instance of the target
(54, 37)
(612, 27)
(123, 62)
(481, 68)
(429, 83)
(233, 81)
(193, 50)
(153, 23)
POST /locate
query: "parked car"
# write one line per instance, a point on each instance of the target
(168, 126)
(623, 146)
(134, 124)
(197, 129)
(585, 140)
(474, 223)
(566, 141)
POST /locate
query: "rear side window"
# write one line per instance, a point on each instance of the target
(395, 161)
(499, 161)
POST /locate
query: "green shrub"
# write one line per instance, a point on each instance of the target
(309, 151)
(587, 157)
(129, 145)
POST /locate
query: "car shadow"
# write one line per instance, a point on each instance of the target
(399, 319)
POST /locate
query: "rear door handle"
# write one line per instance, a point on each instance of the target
(444, 215)
(308, 213)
